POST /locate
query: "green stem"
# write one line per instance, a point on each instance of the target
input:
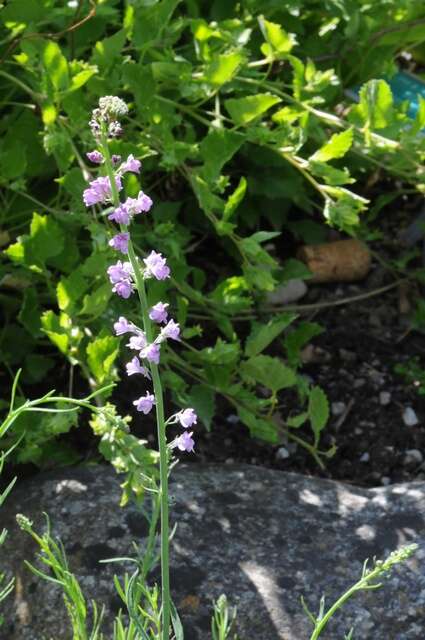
(159, 400)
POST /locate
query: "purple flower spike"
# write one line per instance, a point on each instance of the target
(100, 190)
(138, 342)
(185, 442)
(124, 289)
(151, 353)
(171, 331)
(134, 367)
(156, 266)
(145, 403)
(123, 326)
(120, 242)
(121, 215)
(158, 313)
(95, 156)
(187, 418)
(131, 164)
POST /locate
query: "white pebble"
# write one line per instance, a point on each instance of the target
(365, 457)
(413, 456)
(410, 418)
(282, 453)
(291, 291)
(385, 481)
(384, 398)
(338, 408)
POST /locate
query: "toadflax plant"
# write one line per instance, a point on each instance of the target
(128, 276)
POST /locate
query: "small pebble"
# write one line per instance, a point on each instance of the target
(385, 481)
(338, 408)
(291, 291)
(384, 398)
(413, 456)
(282, 453)
(232, 419)
(365, 457)
(360, 382)
(410, 418)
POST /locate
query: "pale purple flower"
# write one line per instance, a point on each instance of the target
(156, 266)
(158, 313)
(124, 288)
(171, 331)
(121, 215)
(100, 190)
(119, 271)
(122, 326)
(141, 204)
(134, 366)
(151, 353)
(145, 403)
(185, 442)
(120, 242)
(95, 156)
(187, 418)
(131, 164)
(138, 342)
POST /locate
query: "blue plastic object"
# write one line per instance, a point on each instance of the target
(404, 86)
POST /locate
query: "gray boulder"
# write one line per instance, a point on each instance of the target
(263, 537)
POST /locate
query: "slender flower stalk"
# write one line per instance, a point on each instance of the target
(126, 277)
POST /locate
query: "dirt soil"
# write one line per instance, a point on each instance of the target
(353, 361)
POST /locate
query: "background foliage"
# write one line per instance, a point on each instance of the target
(249, 142)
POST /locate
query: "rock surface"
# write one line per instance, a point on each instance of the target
(263, 537)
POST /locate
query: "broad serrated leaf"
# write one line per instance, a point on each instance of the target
(223, 68)
(202, 399)
(336, 147)
(258, 427)
(217, 148)
(69, 290)
(263, 334)
(296, 339)
(376, 104)
(270, 372)
(278, 41)
(245, 110)
(101, 355)
(318, 411)
(56, 66)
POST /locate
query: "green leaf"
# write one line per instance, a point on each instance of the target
(69, 290)
(108, 50)
(318, 411)
(223, 68)
(95, 303)
(376, 104)
(344, 211)
(202, 399)
(331, 175)
(278, 42)
(56, 330)
(294, 269)
(270, 372)
(297, 421)
(13, 159)
(101, 355)
(36, 366)
(29, 315)
(244, 110)
(217, 148)
(56, 66)
(150, 22)
(258, 427)
(263, 334)
(45, 241)
(234, 200)
(296, 339)
(336, 147)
